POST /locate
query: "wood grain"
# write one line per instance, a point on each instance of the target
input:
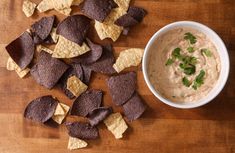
(164, 129)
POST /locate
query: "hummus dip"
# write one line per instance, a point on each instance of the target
(184, 65)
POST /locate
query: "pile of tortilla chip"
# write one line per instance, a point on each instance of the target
(61, 55)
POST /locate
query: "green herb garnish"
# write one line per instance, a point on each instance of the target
(190, 49)
(199, 80)
(189, 36)
(186, 82)
(207, 52)
(190, 69)
(169, 61)
(176, 53)
(189, 60)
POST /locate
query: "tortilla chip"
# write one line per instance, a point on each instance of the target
(28, 8)
(126, 21)
(62, 6)
(12, 66)
(43, 27)
(40, 48)
(75, 143)
(77, 2)
(82, 130)
(128, 58)
(137, 13)
(47, 71)
(65, 11)
(98, 9)
(99, 114)
(86, 102)
(92, 56)
(54, 36)
(116, 124)
(76, 86)
(122, 87)
(87, 72)
(60, 113)
(74, 28)
(45, 5)
(105, 63)
(68, 49)
(134, 107)
(41, 109)
(21, 50)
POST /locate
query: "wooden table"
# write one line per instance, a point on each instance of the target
(208, 129)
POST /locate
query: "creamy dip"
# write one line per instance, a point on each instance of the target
(167, 75)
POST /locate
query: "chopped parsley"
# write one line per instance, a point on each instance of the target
(186, 82)
(188, 68)
(169, 61)
(207, 52)
(190, 37)
(176, 53)
(190, 49)
(199, 80)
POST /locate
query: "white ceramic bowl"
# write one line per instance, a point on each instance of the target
(224, 58)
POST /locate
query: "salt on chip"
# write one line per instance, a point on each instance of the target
(68, 49)
(60, 113)
(116, 124)
(75, 143)
(108, 29)
(76, 86)
(128, 58)
(28, 8)
(54, 36)
(11, 66)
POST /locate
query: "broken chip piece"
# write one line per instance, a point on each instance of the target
(40, 48)
(128, 58)
(134, 107)
(41, 109)
(12, 66)
(104, 64)
(21, 50)
(86, 102)
(98, 9)
(82, 130)
(47, 71)
(137, 13)
(126, 21)
(75, 143)
(60, 113)
(122, 87)
(74, 28)
(28, 8)
(99, 114)
(86, 74)
(54, 36)
(43, 27)
(68, 49)
(116, 124)
(76, 86)
(92, 56)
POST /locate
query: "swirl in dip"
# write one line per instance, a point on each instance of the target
(184, 65)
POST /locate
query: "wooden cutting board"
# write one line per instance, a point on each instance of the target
(208, 129)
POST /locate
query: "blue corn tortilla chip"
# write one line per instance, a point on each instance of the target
(86, 102)
(137, 13)
(90, 57)
(122, 87)
(74, 28)
(47, 71)
(126, 21)
(43, 27)
(41, 109)
(82, 130)
(134, 107)
(98, 9)
(21, 50)
(87, 72)
(37, 40)
(99, 114)
(105, 63)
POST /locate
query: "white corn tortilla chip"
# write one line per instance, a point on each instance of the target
(77, 2)
(116, 124)
(11, 66)
(60, 113)
(68, 49)
(54, 36)
(128, 58)
(65, 11)
(28, 8)
(45, 5)
(76, 86)
(39, 48)
(75, 143)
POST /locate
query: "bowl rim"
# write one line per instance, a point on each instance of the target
(172, 26)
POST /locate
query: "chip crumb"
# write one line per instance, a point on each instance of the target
(28, 8)
(75, 143)
(68, 49)
(128, 58)
(12, 66)
(40, 48)
(60, 113)
(76, 86)
(54, 36)
(116, 124)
